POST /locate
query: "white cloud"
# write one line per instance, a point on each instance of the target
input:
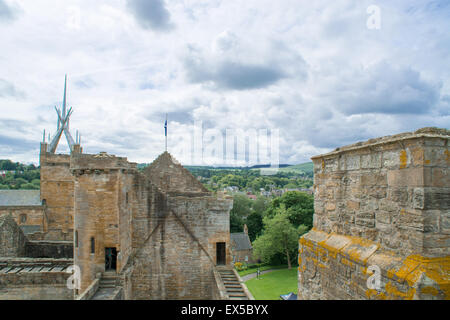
(310, 69)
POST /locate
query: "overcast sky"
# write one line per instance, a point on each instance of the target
(314, 70)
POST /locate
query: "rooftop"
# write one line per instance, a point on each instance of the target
(241, 241)
(20, 198)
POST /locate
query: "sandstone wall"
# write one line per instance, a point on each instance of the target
(33, 215)
(100, 212)
(177, 260)
(35, 286)
(57, 189)
(12, 239)
(49, 249)
(385, 203)
(165, 238)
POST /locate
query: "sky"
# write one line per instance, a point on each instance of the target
(319, 74)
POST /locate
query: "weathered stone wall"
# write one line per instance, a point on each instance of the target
(386, 203)
(26, 215)
(241, 255)
(165, 239)
(170, 176)
(177, 260)
(57, 191)
(49, 249)
(100, 212)
(35, 286)
(34, 279)
(12, 239)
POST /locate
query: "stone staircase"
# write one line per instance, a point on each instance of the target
(233, 287)
(108, 280)
(107, 287)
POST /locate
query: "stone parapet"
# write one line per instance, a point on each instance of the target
(333, 266)
(392, 192)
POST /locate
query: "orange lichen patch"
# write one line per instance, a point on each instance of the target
(387, 261)
(334, 244)
(363, 270)
(360, 250)
(430, 290)
(403, 159)
(393, 292)
(347, 262)
(407, 267)
(427, 161)
(437, 269)
(447, 156)
(374, 294)
(323, 164)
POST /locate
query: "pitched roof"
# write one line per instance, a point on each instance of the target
(20, 198)
(169, 175)
(241, 241)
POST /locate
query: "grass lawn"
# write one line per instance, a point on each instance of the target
(273, 284)
(263, 268)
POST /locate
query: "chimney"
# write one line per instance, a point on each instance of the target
(245, 229)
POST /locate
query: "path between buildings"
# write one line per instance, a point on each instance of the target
(253, 275)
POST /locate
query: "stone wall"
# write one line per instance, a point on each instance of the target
(174, 234)
(165, 237)
(177, 260)
(100, 211)
(49, 249)
(12, 239)
(57, 190)
(35, 286)
(382, 203)
(28, 216)
(170, 176)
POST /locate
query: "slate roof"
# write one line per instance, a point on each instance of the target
(241, 241)
(30, 229)
(20, 198)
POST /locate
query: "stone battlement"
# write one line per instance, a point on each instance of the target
(101, 161)
(390, 194)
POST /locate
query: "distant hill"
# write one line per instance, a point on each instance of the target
(307, 168)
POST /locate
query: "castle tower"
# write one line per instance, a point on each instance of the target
(102, 206)
(57, 183)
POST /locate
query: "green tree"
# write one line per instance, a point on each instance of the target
(299, 206)
(255, 225)
(279, 237)
(236, 223)
(241, 205)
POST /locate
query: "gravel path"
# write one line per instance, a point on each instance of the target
(253, 275)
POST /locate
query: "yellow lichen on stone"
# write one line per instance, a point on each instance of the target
(393, 292)
(347, 262)
(430, 290)
(403, 159)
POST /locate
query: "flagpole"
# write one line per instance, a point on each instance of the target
(165, 127)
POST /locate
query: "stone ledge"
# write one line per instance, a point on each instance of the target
(421, 133)
(333, 258)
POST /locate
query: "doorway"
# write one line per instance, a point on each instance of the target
(220, 253)
(110, 259)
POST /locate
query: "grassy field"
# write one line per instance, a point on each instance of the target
(273, 284)
(263, 268)
(299, 168)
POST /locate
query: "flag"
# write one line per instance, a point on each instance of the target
(165, 127)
